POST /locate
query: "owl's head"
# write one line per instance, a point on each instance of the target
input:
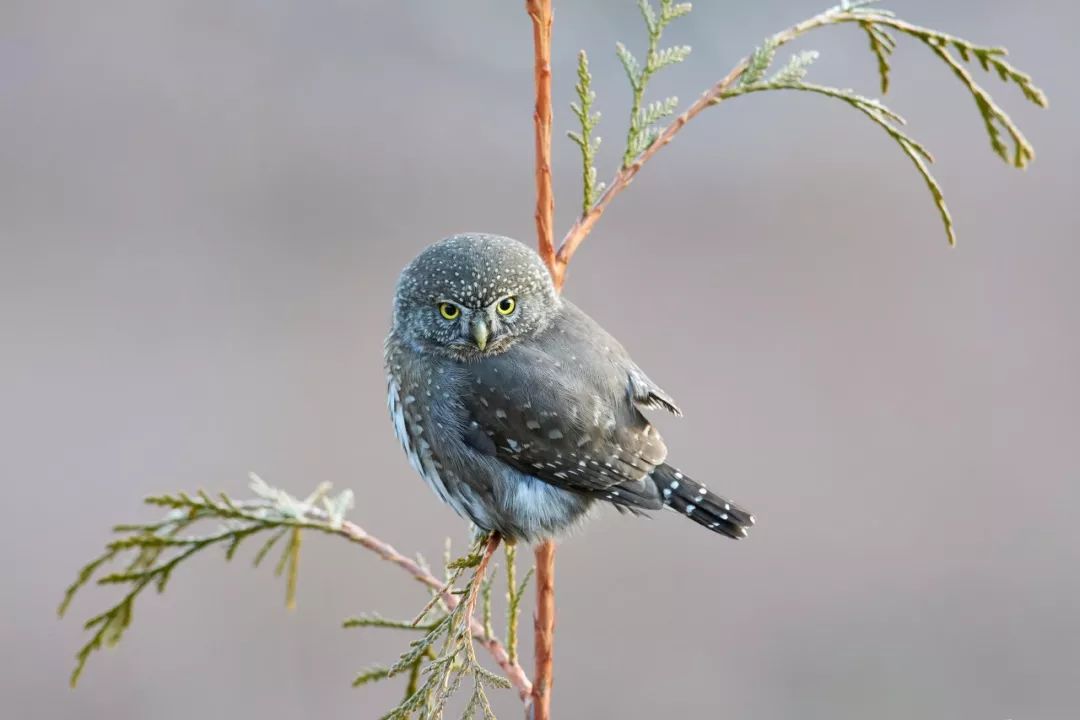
(472, 295)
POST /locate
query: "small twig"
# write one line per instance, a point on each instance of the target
(475, 588)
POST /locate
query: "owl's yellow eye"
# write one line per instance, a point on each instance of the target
(506, 305)
(450, 311)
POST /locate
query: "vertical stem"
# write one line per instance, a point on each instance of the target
(544, 627)
(293, 570)
(540, 13)
(513, 603)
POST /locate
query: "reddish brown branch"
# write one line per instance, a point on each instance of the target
(540, 13)
(544, 629)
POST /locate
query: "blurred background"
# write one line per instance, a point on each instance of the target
(204, 208)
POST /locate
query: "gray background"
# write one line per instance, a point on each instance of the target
(203, 209)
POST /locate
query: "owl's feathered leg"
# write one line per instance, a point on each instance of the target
(692, 499)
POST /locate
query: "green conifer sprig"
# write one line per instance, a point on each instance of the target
(994, 118)
(882, 45)
(760, 61)
(485, 609)
(888, 121)
(587, 120)
(795, 70)
(642, 132)
(370, 675)
(157, 549)
(449, 644)
(877, 23)
(414, 674)
(374, 620)
(880, 25)
(514, 594)
(437, 663)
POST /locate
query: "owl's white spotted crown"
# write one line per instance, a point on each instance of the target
(475, 270)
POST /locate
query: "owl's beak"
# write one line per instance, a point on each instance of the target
(480, 332)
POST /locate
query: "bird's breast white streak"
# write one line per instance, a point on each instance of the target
(426, 470)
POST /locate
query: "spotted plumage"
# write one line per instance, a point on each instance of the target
(517, 408)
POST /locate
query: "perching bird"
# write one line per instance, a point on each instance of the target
(517, 408)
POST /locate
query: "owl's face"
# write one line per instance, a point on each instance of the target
(472, 295)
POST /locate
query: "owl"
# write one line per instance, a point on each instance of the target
(517, 408)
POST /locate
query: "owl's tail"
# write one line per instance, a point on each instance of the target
(692, 499)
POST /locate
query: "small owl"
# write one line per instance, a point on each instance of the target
(517, 408)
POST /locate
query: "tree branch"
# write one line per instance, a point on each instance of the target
(989, 58)
(544, 629)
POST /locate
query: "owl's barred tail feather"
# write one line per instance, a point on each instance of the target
(691, 498)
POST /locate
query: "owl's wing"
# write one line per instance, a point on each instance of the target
(648, 394)
(565, 425)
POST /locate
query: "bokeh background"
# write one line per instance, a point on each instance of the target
(204, 207)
